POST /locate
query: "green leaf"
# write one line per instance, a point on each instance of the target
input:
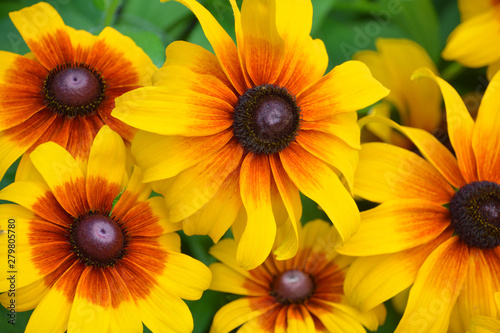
(418, 18)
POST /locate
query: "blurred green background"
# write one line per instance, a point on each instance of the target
(346, 26)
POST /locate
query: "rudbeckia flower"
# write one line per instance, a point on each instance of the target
(64, 89)
(303, 294)
(417, 103)
(246, 129)
(481, 324)
(476, 41)
(437, 228)
(87, 262)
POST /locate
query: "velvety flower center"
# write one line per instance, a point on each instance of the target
(72, 90)
(292, 286)
(98, 240)
(266, 119)
(475, 214)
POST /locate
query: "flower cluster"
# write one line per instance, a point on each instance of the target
(117, 160)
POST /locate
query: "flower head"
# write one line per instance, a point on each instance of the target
(437, 228)
(64, 90)
(244, 130)
(303, 294)
(88, 261)
(476, 41)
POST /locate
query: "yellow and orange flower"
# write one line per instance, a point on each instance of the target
(437, 228)
(246, 129)
(303, 294)
(417, 103)
(476, 41)
(87, 262)
(64, 90)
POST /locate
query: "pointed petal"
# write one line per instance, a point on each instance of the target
(343, 126)
(218, 214)
(460, 126)
(194, 187)
(486, 135)
(223, 45)
(63, 175)
(347, 88)
(318, 182)
(372, 280)
(178, 152)
(260, 231)
(436, 288)
(386, 172)
(395, 226)
(472, 43)
(331, 150)
(105, 170)
(45, 33)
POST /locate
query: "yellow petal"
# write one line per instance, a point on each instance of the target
(395, 226)
(469, 9)
(318, 182)
(475, 42)
(347, 88)
(343, 126)
(184, 276)
(27, 297)
(460, 126)
(177, 152)
(436, 289)
(260, 231)
(223, 45)
(486, 135)
(63, 175)
(386, 172)
(218, 214)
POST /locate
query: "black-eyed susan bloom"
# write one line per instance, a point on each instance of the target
(417, 103)
(437, 228)
(86, 263)
(476, 41)
(64, 89)
(246, 129)
(302, 294)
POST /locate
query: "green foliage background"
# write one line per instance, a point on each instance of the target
(346, 26)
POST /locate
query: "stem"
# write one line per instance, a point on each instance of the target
(452, 71)
(110, 12)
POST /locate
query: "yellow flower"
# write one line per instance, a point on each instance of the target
(246, 129)
(481, 324)
(303, 294)
(87, 263)
(437, 227)
(476, 41)
(418, 103)
(64, 90)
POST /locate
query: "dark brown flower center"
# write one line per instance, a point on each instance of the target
(475, 214)
(73, 90)
(266, 119)
(98, 240)
(292, 286)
